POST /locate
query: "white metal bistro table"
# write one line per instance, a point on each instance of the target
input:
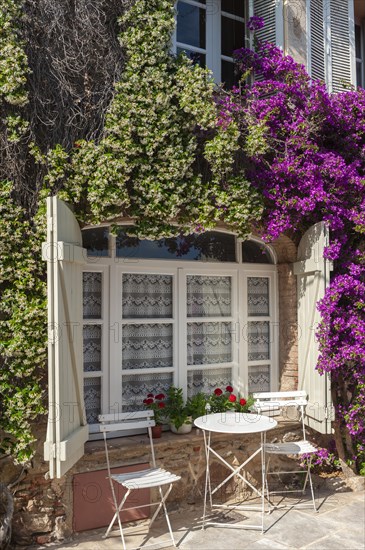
(235, 424)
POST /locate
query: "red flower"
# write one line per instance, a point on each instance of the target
(243, 401)
(229, 388)
(150, 395)
(160, 396)
(161, 405)
(218, 391)
(148, 401)
(232, 398)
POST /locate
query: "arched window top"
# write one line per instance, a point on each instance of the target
(211, 246)
(255, 252)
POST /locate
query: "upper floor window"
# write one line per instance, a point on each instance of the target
(359, 50)
(208, 31)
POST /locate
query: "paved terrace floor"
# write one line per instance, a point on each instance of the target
(339, 524)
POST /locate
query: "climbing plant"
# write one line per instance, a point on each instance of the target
(306, 151)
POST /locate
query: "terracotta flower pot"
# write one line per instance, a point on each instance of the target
(156, 431)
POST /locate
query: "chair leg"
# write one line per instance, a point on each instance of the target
(267, 485)
(311, 485)
(163, 501)
(117, 516)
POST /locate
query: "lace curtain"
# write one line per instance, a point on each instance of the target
(258, 339)
(209, 343)
(146, 296)
(136, 387)
(258, 296)
(92, 399)
(147, 346)
(91, 294)
(258, 378)
(208, 380)
(208, 296)
(92, 348)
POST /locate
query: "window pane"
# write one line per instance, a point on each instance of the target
(208, 296)
(212, 246)
(209, 343)
(145, 295)
(255, 253)
(258, 378)
(190, 25)
(196, 57)
(359, 81)
(258, 339)
(229, 74)
(92, 399)
(92, 348)
(257, 296)
(96, 241)
(136, 388)
(147, 346)
(91, 295)
(235, 7)
(233, 36)
(358, 41)
(207, 380)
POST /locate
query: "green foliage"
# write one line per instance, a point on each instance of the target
(162, 159)
(23, 326)
(176, 408)
(196, 405)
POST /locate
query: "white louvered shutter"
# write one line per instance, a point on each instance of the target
(312, 272)
(316, 40)
(272, 13)
(331, 43)
(67, 429)
(342, 44)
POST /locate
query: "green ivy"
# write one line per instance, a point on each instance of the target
(23, 326)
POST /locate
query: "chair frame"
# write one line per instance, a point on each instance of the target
(272, 403)
(148, 478)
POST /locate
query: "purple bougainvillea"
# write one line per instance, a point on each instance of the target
(305, 151)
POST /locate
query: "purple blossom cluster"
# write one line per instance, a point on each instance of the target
(308, 161)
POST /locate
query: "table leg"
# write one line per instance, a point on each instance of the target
(263, 478)
(207, 477)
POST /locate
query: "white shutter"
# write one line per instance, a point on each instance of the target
(312, 272)
(272, 13)
(316, 39)
(67, 429)
(331, 42)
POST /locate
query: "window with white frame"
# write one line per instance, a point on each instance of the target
(198, 312)
(209, 31)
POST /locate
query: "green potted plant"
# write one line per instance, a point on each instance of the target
(156, 403)
(180, 420)
(196, 405)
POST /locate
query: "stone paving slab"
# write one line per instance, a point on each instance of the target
(339, 524)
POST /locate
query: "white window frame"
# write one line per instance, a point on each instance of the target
(212, 51)
(112, 268)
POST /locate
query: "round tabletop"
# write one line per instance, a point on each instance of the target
(235, 423)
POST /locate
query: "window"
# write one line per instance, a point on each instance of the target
(197, 311)
(208, 31)
(359, 52)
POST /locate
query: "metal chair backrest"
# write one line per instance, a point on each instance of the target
(117, 422)
(272, 402)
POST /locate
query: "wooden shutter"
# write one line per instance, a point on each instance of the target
(272, 12)
(312, 272)
(331, 42)
(67, 429)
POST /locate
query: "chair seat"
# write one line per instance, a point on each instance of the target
(290, 448)
(152, 477)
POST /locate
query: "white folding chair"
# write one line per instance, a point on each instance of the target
(275, 403)
(151, 477)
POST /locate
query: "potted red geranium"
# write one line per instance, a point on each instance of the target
(156, 404)
(226, 400)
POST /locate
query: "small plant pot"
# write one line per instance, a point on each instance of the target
(184, 429)
(156, 431)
